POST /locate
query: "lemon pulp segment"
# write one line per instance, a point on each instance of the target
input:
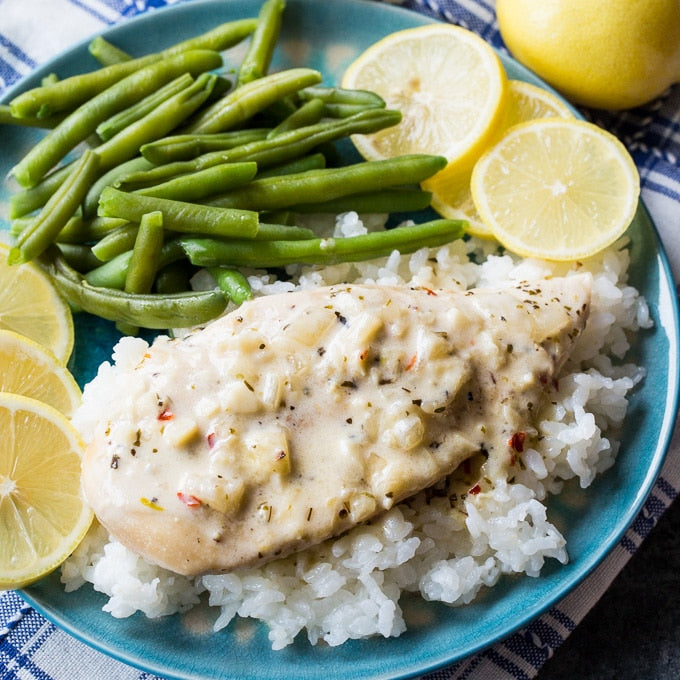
(43, 516)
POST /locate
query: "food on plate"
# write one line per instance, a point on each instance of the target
(528, 102)
(241, 164)
(563, 205)
(473, 90)
(239, 161)
(445, 543)
(30, 369)
(66, 94)
(451, 195)
(301, 415)
(607, 54)
(43, 516)
(449, 85)
(31, 306)
(242, 181)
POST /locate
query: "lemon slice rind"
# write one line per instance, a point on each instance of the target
(43, 516)
(31, 306)
(556, 189)
(449, 85)
(451, 195)
(29, 369)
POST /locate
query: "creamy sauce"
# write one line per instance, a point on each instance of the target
(300, 415)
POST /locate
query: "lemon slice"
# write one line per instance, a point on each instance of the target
(31, 306)
(29, 369)
(528, 102)
(451, 195)
(556, 189)
(43, 516)
(449, 85)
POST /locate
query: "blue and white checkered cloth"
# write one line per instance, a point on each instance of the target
(31, 648)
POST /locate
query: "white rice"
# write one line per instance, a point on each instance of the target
(445, 550)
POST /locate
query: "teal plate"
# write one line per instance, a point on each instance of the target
(327, 36)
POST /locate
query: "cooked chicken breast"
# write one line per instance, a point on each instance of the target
(300, 415)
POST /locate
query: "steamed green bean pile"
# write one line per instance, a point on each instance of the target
(152, 168)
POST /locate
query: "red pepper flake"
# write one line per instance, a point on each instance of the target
(475, 490)
(517, 441)
(411, 363)
(211, 439)
(189, 500)
(364, 354)
(429, 291)
(166, 414)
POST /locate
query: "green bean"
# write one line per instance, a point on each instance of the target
(83, 122)
(309, 113)
(26, 201)
(79, 256)
(118, 241)
(282, 232)
(146, 254)
(343, 110)
(151, 311)
(232, 283)
(112, 274)
(180, 215)
(268, 152)
(281, 109)
(220, 38)
(49, 79)
(113, 125)
(70, 93)
(341, 103)
(155, 124)
(222, 86)
(143, 265)
(338, 95)
(61, 206)
(275, 193)
(245, 101)
(321, 251)
(174, 278)
(256, 60)
(185, 147)
(316, 161)
(122, 239)
(204, 183)
(18, 224)
(47, 122)
(384, 201)
(282, 217)
(106, 53)
(111, 178)
(86, 231)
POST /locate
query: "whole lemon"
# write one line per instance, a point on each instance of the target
(610, 54)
